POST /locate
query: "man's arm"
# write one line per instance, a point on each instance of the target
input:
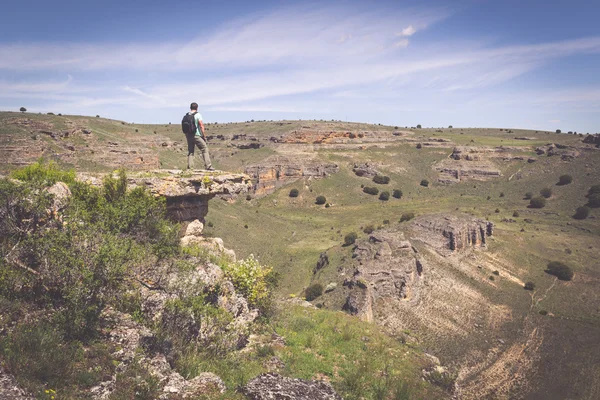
(201, 127)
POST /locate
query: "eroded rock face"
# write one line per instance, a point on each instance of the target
(388, 267)
(277, 387)
(448, 233)
(273, 174)
(366, 170)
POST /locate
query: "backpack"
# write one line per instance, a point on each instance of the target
(188, 124)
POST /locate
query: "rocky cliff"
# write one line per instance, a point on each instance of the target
(274, 173)
(187, 192)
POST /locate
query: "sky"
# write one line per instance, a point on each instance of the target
(469, 63)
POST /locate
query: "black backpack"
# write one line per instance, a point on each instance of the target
(188, 124)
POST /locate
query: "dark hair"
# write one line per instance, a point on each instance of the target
(194, 106)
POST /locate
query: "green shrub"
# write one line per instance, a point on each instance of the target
(419, 146)
(294, 193)
(528, 196)
(368, 229)
(381, 179)
(424, 182)
(529, 285)
(252, 280)
(560, 270)
(42, 173)
(565, 179)
(515, 214)
(594, 190)
(546, 192)
(397, 193)
(371, 190)
(350, 238)
(320, 200)
(313, 291)
(22, 109)
(419, 126)
(537, 202)
(407, 216)
(593, 199)
(582, 212)
(384, 196)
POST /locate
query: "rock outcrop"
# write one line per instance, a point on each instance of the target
(277, 387)
(187, 193)
(275, 173)
(448, 233)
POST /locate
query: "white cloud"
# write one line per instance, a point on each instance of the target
(408, 31)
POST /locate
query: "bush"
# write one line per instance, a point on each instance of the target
(425, 183)
(350, 238)
(368, 229)
(515, 214)
(321, 200)
(565, 180)
(313, 291)
(558, 131)
(419, 146)
(528, 196)
(384, 196)
(294, 193)
(582, 212)
(529, 285)
(397, 193)
(252, 280)
(537, 202)
(381, 179)
(419, 126)
(22, 109)
(407, 216)
(44, 174)
(546, 192)
(371, 190)
(594, 190)
(560, 270)
(594, 200)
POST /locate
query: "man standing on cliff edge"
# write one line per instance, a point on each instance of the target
(197, 139)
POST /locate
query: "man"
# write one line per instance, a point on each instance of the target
(198, 140)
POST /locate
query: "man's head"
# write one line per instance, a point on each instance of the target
(194, 106)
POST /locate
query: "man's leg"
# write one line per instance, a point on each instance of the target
(191, 144)
(204, 150)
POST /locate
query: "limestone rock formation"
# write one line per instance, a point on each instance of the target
(187, 192)
(366, 170)
(277, 387)
(274, 173)
(448, 233)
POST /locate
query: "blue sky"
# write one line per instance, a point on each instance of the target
(520, 64)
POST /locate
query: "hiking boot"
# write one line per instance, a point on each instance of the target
(210, 169)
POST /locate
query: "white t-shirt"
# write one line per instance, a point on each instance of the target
(198, 118)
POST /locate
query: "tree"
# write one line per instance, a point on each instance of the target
(321, 200)
(419, 126)
(560, 270)
(546, 192)
(528, 195)
(381, 179)
(384, 196)
(582, 212)
(313, 291)
(350, 238)
(22, 109)
(419, 145)
(558, 131)
(407, 216)
(565, 180)
(529, 285)
(397, 193)
(425, 183)
(449, 126)
(294, 193)
(371, 190)
(537, 202)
